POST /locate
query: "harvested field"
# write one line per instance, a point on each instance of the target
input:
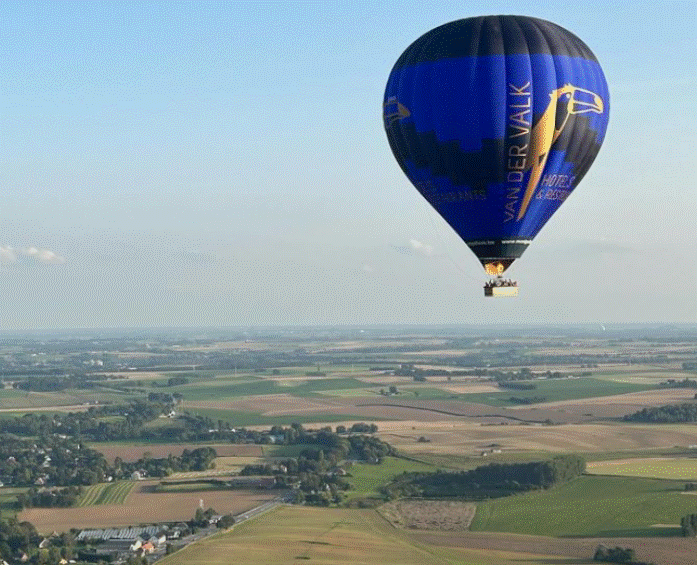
(444, 515)
(269, 405)
(632, 401)
(293, 534)
(677, 468)
(471, 388)
(225, 466)
(144, 506)
(59, 408)
(140, 375)
(432, 410)
(132, 452)
(468, 438)
(661, 551)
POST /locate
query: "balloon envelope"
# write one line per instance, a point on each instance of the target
(495, 120)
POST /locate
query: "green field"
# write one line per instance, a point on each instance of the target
(186, 487)
(216, 390)
(8, 500)
(239, 418)
(682, 468)
(366, 479)
(107, 493)
(591, 506)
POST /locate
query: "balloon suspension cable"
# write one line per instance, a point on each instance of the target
(442, 243)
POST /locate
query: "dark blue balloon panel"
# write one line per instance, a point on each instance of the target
(496, 120)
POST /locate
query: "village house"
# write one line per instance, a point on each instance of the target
(158, 539)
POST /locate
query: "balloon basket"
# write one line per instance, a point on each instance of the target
(500, 288)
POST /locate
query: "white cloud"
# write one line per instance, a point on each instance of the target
(7, 254)
(45, 256)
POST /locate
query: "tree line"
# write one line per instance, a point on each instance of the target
(672, 413)
(617, 554)
(688, 526)
(672, 383)
(492, 480)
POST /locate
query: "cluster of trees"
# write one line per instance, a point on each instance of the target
(165, 398)
(202, 520)
(44, 498)
(53, 461)
(616, 554)
(685, 383)
(672, 413)
(173, 381)
(58, 383)
(517, 385)
(316, 473)
(494, 479)
(103, 423)
(527, 400)
(44, 460)
(524, 374)
(688, 526)
(21, 538)
(358, 428)
(199, 459)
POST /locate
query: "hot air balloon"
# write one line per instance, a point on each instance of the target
(495, 120)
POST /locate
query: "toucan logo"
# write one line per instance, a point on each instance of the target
(392, 110)
(566, 101)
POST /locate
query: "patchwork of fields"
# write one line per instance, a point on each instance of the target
(632, 492)
(144, 506)
(339, 537)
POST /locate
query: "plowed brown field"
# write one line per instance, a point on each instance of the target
(468, 438)
(143, 506)
(134, 452)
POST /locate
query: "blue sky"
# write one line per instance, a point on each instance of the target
(220, 163)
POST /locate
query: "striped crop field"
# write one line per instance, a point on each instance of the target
(107, 493)
(676, 468)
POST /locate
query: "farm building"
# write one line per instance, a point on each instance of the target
(126, 534)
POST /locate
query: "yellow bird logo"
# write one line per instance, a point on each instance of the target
(392, 110)
(545, 133)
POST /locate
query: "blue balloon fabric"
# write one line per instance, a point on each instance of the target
(495, 120)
